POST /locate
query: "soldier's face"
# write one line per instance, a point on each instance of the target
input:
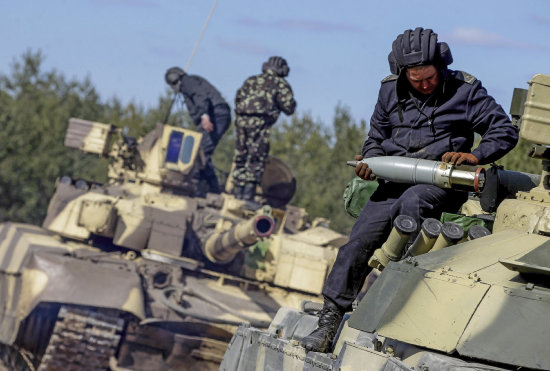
(424, 79)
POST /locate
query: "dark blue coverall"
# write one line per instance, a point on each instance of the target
(200, 98)
(408, 124)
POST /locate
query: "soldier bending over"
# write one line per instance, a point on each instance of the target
(258, 103)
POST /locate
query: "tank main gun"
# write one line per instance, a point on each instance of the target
(221, 247)
(419, 171)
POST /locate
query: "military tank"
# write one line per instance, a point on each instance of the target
(139, 274)
(450, 301)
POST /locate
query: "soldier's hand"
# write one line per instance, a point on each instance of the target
(363, 170)
(457, 158)
(206, 124)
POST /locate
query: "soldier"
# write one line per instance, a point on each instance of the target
(208, 110)
(258, 104)
(424, 110)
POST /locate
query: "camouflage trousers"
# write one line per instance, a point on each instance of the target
(251, 149)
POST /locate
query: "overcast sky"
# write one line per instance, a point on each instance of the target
(337, 50)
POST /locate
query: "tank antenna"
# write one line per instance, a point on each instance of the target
(201, 35)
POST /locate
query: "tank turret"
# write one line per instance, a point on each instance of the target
(456, 299)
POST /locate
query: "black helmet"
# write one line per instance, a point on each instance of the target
(173, 77)
(277, 65)
(416, 48)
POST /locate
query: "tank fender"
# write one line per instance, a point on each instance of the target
(54, 278)
(83, 281)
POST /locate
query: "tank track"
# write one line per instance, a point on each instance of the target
(82, 339)
(15, 359)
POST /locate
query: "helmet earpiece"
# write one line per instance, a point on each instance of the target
(445, 53)
(394, 68)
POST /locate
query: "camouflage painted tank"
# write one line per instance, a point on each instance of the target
(479, 303)
(139, 274)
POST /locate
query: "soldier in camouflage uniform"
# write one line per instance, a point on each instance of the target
(258, 104)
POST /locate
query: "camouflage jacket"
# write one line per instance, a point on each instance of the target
(265, 95)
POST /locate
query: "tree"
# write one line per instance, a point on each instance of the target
(347, 141)
(518, 160)
(35, 108)
(318, 157)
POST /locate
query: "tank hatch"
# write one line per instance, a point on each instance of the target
(533, 266)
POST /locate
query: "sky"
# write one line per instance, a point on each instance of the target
(337, 50)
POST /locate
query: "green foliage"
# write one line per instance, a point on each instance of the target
(34, 110)
(35, 107)
(518, 160)
(318, 157)
(223, 155)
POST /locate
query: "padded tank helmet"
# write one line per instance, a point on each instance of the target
(173, 78)
(277, 65)
(416, 48)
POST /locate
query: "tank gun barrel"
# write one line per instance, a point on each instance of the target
(419, 171)
(221, 247)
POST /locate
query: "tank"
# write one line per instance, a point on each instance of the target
(450, 301)
(139, 274)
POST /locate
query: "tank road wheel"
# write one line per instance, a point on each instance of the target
(82, 339)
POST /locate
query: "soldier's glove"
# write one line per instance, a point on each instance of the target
(363, 170)
(458, 158)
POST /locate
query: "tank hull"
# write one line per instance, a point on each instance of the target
(403, 321)
(158, 315)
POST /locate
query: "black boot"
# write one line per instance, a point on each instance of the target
(249, 191)
(321, 338)
(238, 192)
